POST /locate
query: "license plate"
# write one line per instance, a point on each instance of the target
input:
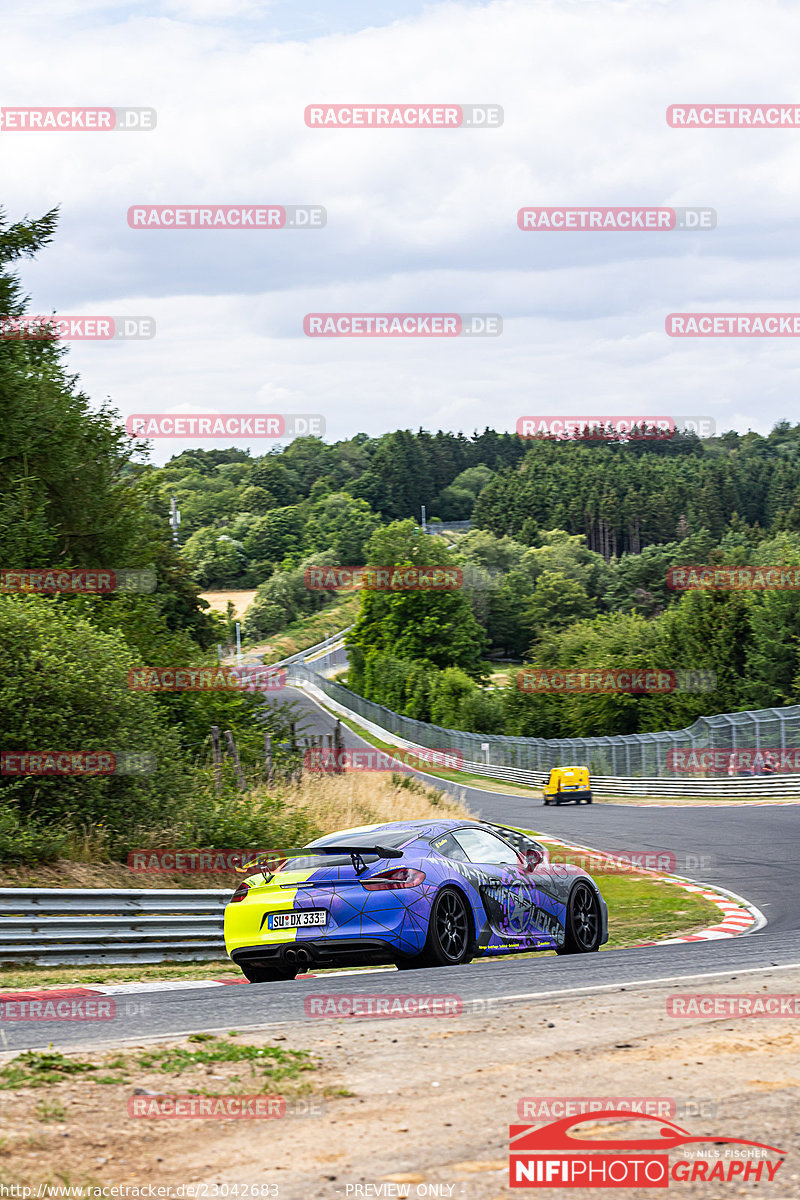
(297, 920)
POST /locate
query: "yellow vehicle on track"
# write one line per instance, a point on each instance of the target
(568, 785)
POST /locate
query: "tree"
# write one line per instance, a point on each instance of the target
(217, 560)
(342, 524)
(557, 602)
(64, 687)
(507, 625)
(434, 627)
(71, 494)
(67, 493)
(257, 500)
(272, 475)
(276, 535)
(457, 500)
(494, 554)
(450, 689)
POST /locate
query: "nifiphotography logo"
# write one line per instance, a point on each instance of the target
(559, 1155)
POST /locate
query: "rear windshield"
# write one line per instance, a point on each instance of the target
(391, 838)
(368, 837)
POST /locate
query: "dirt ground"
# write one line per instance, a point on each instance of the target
(422, 1106)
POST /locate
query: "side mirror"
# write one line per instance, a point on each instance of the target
(530, 859)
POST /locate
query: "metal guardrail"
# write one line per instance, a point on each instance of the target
(396, 729)
(74, 926)
(312, 651)
(641, 755)
(654, 785)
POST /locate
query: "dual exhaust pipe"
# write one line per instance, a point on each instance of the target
(296, 955)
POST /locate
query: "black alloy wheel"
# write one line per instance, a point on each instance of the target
(583, 922)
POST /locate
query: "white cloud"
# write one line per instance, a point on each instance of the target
(418, 221)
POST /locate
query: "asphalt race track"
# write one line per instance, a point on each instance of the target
(753, 852)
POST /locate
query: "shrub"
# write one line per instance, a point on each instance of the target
(63, 687)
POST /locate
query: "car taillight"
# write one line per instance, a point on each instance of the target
(389, 881)
(240, 893)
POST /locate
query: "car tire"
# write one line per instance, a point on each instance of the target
(583, 931)
(450, 940)
(256, 974)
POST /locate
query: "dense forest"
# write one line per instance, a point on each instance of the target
(565, 565)
(622, 498)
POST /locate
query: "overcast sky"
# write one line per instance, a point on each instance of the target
(417, 220)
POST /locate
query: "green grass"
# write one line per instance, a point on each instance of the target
(36, 1068)
(271, 1065)
(50, 1110)
(43, 977)
(274, 1063)
(641, 909)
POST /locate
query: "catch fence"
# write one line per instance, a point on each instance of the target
(671, 754)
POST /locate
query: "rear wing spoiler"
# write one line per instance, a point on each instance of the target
(262, 862)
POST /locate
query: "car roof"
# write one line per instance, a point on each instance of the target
(420, 828)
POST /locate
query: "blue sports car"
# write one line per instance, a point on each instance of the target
(413, 893)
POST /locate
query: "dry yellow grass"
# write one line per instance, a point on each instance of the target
(333, 802)
(240, 600)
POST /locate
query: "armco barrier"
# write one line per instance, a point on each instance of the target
(45, 927)
(765, 786)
